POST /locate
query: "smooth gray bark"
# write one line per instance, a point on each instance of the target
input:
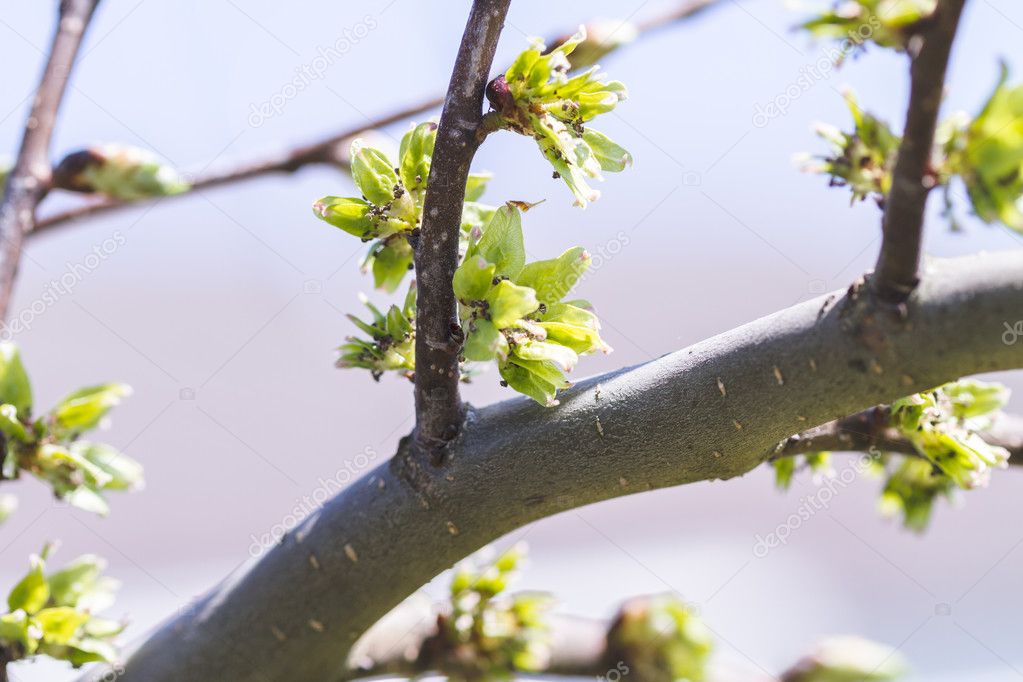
(711, 411)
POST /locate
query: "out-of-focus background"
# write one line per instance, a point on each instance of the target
(223, 309)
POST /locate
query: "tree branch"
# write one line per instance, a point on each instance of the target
(332, 149)
(712, 411)
(439, 338)
(869, 429)
(29, 180)
(896, 273)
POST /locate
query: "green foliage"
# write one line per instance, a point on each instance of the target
(660, 638)
(985, 153)
(886, 23)
(910, 492)
(988, 153)
(785, 467)
(391, 343)
(390, 211)
(849, 659)
(540, 97)
(943, 427)
(487, 635)
(49, 447)
(120, 172)
(53, 614)
(864, 159)
(513, 312)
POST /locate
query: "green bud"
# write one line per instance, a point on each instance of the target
(119, 171)
(661, 640)
(538, 97)
(391, 343)
(416, 154)
(848, 659)
(350, 215)
(373, 173)
(864, 159)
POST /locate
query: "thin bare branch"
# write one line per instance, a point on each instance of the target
(869, 429)
(29, 181)
(332, 150)
(897, 272)
(439, 410)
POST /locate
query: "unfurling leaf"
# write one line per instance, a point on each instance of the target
(540, 96)
(391, 342)
(864, 159)
(55, 615)
(513, 312)
(989, 156)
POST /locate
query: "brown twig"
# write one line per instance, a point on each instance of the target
(896, 274)
(29, 180)
(868, 430)
(330, 150)
(438, 336)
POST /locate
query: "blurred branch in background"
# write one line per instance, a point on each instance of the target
(870, 429)
(29, 181)
(333, 150)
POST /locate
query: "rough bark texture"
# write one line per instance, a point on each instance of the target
(439, 338)
(711, 411)
(896, 273)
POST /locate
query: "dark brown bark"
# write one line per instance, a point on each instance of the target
(897, 272)
(439, 410)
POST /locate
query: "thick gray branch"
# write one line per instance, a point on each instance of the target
(712, 411)
(30, 179)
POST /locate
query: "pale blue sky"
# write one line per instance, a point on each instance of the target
(236, 297)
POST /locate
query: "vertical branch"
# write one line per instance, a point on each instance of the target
(896, 273)
(29, 181)
(439, 338)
